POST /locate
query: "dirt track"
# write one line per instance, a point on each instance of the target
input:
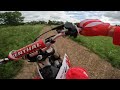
(79, 56)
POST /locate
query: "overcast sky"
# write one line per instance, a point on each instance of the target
(112, 17)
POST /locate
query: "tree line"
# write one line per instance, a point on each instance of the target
(16, 18)
(11, 18)
(44, 22)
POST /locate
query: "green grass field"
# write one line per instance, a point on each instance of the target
(102, 46)
(13, 38)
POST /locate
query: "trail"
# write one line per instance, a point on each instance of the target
(80, 56)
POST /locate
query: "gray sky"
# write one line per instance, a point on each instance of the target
(112, 17)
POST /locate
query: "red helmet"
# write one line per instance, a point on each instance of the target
(76, 73)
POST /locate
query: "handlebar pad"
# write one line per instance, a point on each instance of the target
(27, 50)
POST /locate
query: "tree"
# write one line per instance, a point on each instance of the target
(49, 22)
(11, 18)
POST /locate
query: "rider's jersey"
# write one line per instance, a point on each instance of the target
(95, 27)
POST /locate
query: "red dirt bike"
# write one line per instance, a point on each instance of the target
(49, 63)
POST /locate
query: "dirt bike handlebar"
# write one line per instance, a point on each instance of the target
(42, 45)
(65, 29)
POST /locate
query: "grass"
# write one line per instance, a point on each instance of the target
(102, 46)
(13, 38)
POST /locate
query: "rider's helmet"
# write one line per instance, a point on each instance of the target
(76, 73)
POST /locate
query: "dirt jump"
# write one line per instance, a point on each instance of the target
(79, 55)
